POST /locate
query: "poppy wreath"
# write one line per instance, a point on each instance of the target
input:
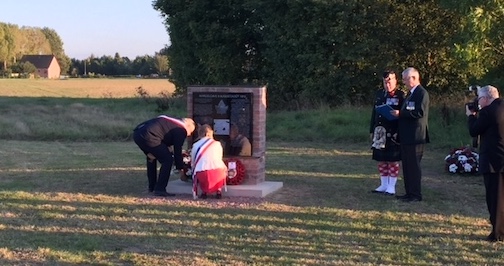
(462, 161)
(236, 176)
(186, 158)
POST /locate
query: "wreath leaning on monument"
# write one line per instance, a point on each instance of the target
(462, 161)
(236, 171)
(186, 158)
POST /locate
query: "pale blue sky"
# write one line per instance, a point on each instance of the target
(99, 27)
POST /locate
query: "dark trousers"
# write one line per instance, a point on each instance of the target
(164, 156)
(494, 188)
(411, 155)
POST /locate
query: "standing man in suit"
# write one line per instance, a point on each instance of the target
(489, 125)
(154, 137)
(413, 133)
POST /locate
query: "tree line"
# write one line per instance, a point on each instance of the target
(311, 52)
(17, 41)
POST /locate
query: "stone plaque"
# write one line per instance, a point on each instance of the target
(230, 115)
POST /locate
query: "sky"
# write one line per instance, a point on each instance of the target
(93, 27)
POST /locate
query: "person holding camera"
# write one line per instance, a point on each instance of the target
(488, 124)
(384, 134)
(413, 133)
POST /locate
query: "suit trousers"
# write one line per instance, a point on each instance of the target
(494, 188)
(164, 156)
(411, 155)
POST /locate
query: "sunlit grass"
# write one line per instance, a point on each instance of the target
(83, 88)
(57, 209)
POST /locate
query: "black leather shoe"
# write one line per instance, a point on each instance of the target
(491, 238)
(411, 199)
(163, 194)
(405, 196)
(218, 195)
(378, 192)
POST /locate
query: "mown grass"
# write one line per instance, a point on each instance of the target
(73, 192)
(82, 88)
(105, 119)
(85, 203)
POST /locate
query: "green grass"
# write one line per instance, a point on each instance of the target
(73, 192)
(68, 203)
(106, 119)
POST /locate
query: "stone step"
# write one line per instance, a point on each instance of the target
(254, 191)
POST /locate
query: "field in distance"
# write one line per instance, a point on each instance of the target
(83, 88)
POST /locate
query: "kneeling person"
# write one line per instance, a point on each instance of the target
(209, 170)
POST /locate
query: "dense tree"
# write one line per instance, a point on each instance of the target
(480, 45)
(6, 45)
(24, 68)
(161, 64)
(311, 52)
(213, 42)
(57, 49)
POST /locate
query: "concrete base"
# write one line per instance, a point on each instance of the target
(253, 191)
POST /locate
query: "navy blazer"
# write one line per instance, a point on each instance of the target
(489, 125)
(414, 118)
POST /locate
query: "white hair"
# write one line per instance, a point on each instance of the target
(190, 126)
(488, 91)
(411, 71)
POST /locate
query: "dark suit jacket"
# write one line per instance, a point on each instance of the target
(489, 125)
(414, 123)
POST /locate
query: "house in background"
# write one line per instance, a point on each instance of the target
(47, 65)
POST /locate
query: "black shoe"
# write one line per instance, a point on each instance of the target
(151, 190)
(203, 196)
(376, 191)
(163, 194)
(411, 199)
(218, 195)
(405, 196)
(491, 237)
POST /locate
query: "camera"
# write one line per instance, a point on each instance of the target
(473, 106)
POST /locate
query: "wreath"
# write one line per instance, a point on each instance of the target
(186, 158)
(236, 171)
(462, 161)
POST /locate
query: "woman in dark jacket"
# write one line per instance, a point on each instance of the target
(384, 133)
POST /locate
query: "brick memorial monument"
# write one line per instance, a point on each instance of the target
(234, 111)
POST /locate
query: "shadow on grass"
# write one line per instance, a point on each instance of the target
(254, 234)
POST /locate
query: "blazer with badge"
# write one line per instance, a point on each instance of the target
(414, 117)
(490, 126)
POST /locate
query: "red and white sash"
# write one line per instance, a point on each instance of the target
(176, 121)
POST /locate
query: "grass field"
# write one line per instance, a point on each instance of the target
(82, 88)
(73, 191)
(86, 204)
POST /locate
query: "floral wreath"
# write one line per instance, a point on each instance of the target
(236, 173)
(462, 161)
(186, 159)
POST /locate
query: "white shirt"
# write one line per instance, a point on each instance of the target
(211, 158)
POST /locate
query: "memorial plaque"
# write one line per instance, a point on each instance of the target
(230, 115)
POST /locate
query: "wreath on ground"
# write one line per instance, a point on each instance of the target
(236, 171)
(186, 158)
(462, 161)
